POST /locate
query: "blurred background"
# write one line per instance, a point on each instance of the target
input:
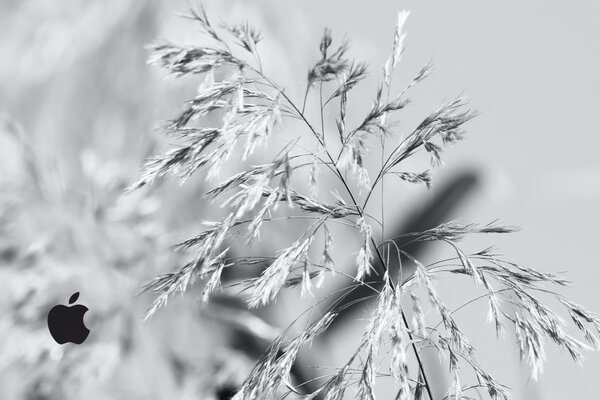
(79, 108)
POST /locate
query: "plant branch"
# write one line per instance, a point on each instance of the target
(359, 210)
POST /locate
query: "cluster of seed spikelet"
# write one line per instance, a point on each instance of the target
(252, 107)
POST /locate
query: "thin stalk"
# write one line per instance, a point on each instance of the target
(305, 97)
(383, 196)
(322, 109)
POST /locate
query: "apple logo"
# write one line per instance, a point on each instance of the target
(66, 322)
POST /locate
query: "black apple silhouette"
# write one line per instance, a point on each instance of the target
(66, 323)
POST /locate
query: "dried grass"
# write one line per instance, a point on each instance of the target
(253, 108)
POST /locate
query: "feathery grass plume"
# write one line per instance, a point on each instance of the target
(423, 177)
(356, 74)
(418, 320)
(168, 284)
(266, 287)
(327, 259)
(181, 61)
(330, 65)
(250, 108)
(248, 37)
(272, 371)
(365, 256)
(397, 48)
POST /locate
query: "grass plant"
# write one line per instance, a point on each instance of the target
(250, 110)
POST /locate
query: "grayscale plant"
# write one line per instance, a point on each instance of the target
(252, 109)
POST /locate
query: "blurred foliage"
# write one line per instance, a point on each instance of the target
(78, 104)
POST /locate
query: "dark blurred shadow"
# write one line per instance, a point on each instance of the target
(438, 210)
